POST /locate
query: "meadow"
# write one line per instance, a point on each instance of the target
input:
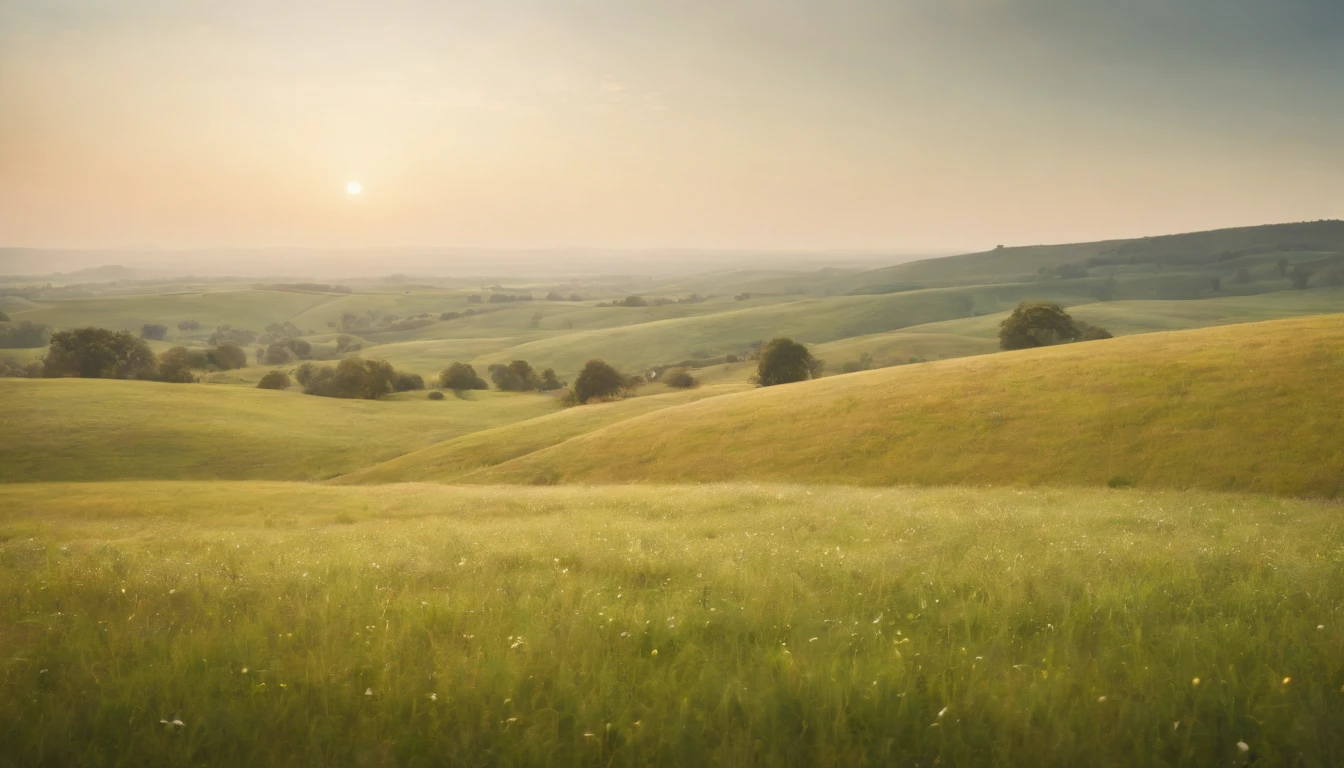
(272, 623)
(1120, 552)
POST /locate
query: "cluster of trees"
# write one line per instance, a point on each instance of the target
(283, 351)
(680, 378)
(352, 378)
(228, 334)
(187, 326)
(24, 335)
(97, 353)
(557, 296)
(1043, 324)
(519, 376)
(864, 363)
(177, 364)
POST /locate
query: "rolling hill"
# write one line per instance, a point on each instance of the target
(1251, 407)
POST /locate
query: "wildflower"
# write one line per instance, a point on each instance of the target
(1176, 725)
(244, 670)
(812, 640)
(176, 723)
(1318, 626)
(1243, 746)
(368, 691)
(433, 697)
(942, 712)
(655, 652)
(878, 620)
(1287, 680)
(1195, 682)
(172, 591)
(1101, 699)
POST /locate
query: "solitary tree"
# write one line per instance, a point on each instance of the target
(784, 361)
(1037, 324)
(598, 380)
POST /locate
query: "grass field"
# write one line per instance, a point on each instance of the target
(735, 625)
(1244, 407)
(86, 429)
(919, 565)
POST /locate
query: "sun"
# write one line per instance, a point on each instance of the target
(354, 188)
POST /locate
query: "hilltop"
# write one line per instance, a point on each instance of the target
(1251, 407)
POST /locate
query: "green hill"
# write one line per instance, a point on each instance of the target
(1252, 407)
(91, 429)
(1304, 242)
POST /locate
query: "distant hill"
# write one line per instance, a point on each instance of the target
(1251, 407)
(1244, 245)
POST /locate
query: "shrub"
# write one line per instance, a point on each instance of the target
(188, 325)
(25, 335)
(1300, 278)
(274, 380)
(435, 395)
(555, 296)
(1242, 277)
(461, 376)
(679, 378)
(632, 301)
(1092, 333)
(276, 354)
(598, 381)
(346, 343)
(730, 359)
(153, 332)
(227, 357)
(15, 369)
(784, 361)
(550, 382)
(407, 382)
(97, 353)
(517, 376)
(1037, 324)
(449, 315)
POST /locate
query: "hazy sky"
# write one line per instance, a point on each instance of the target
(902, 124)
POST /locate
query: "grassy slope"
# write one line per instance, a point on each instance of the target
(423, 625)
(979, 335)
(1246, 407)
(457, 458)
(815, 320)
(81, 429)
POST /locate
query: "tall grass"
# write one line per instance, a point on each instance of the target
(740, 625)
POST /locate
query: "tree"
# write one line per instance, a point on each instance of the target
(25, 335)
(461, 376)
(1282, 266)
(517, 376)
(864, 363)
(784, 361)
(276, 354)
(188, 325)
(1216, 284)
(153, 332)
(97, 353)
(274, 380)
(227, 357)
(550, 382)
(1242, 276)
(598, 381)
(352, 378)
(1037, 324)
(1300, 278)
(406, 382)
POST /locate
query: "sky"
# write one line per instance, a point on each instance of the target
(733, 124)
